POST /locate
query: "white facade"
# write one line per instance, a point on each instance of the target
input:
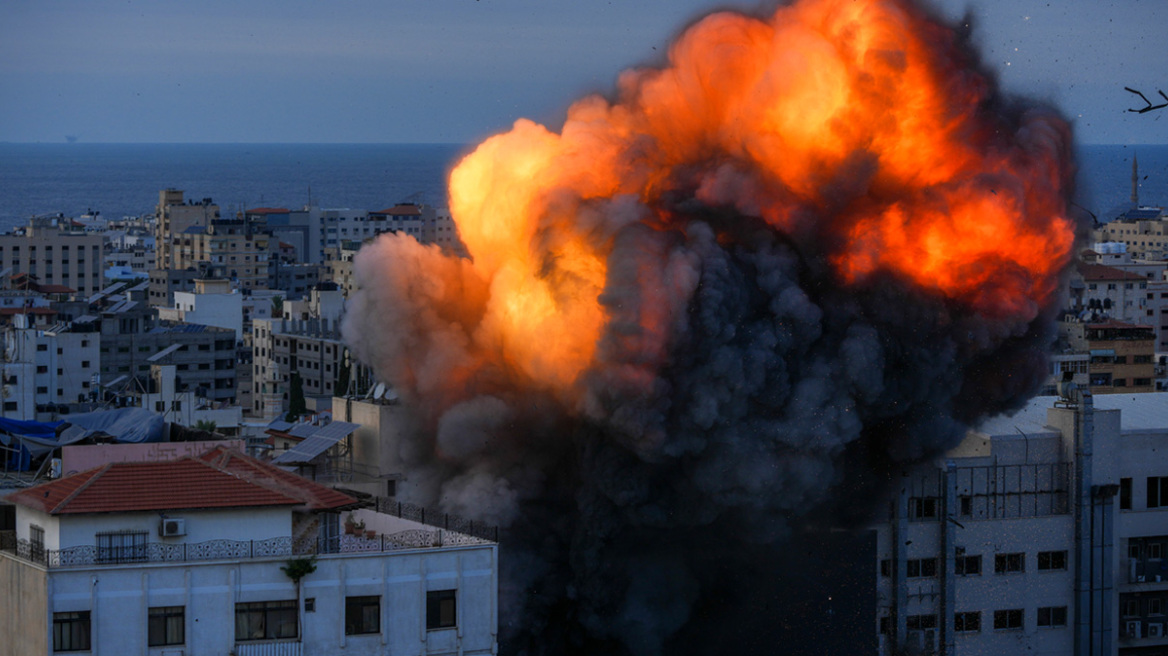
(43, 367)
(184, 408)
(1036, 535)
(221, 309)
(217, 574)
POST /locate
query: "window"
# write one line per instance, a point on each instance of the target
(968, 565)
(1131, 608)
(1008, 619)
(71, 631)
(1155, 607)
(1154, 550)
(1009, 562)
(1125, 490)
(967, 622)
(362, 615)
(920, 622)
(1048, 560)
(886, 568)
(36, 538)
(922, 567)
(1157, 491)
(440, 609)
(265, 620)
(1052, 616)
(166, 626)
(966, 505)
(121, 547)
(923, 507)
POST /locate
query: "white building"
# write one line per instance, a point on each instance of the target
(190, 557)
(1043, 533)
(212, 303)
(185, 408)
(56, 366)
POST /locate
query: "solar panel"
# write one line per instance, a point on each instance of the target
(322, 440)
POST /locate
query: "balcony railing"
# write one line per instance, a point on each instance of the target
(154, 552)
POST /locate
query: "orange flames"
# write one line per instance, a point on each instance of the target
(858, 119)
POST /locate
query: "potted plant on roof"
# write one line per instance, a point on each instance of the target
(350, 525)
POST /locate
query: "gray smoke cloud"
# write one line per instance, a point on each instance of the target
(740, 390)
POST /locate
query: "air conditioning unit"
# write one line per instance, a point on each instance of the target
(1133, 629)
(1155, 630)
(172, 528)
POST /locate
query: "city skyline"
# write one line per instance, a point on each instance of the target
(455, 72)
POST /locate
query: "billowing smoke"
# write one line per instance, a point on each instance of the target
(728, 302)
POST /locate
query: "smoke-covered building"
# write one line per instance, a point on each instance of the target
(1042, 533)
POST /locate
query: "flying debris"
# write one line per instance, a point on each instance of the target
(1148, 104)
(716, 312)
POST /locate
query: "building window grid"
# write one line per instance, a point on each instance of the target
(967, 622)
(441, 609)
(1009, 619)
(362, 615)
(121, 546)
(166, 626)
(1009, 563)
(1052, 560)
(265, 620)
(71, 631)
(1052, 616)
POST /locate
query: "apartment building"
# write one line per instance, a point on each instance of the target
(1143, 230)
(55, 252)
(310, 349)
(1121, 356)
(228, 554)
(45, 370)
(224, 248)
(173, 216)
(1043, 533)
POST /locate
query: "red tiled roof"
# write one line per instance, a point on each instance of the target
(268, 210)
(314, 495)
(401, 210)
(186, 483)
(1104, 272)
(55, 289)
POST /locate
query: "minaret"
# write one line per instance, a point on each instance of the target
(1135, 197)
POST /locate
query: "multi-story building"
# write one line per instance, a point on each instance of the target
(1143, 230)
(44, 370)
(55, 253)
(228, 554)
(225, 249)
(186, 408)
(165, 282)
(1121, 355)
(1042, 533)
(310, 349)
(173, 217)
(1109, 290)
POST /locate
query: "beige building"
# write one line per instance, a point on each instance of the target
(57, 253)
(174, 217)
(230, 250)
(1121, 355)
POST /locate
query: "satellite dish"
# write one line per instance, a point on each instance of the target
(379, 391)
(390, 394)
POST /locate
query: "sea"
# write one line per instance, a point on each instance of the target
(120, 180)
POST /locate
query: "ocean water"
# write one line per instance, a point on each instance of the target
(124, 179)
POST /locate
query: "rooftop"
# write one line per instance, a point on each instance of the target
(220, 478)
(1104, 272)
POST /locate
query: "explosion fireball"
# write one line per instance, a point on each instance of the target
(807, 250)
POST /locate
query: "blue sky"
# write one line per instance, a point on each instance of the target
(457, 70)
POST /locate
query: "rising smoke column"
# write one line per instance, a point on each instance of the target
(807, 251)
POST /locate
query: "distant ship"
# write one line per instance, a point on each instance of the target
(70, 138)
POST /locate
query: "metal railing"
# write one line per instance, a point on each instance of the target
(431, 517)
(154, 552)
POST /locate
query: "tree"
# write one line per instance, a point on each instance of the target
(296, 403)
(206, 425)
(277, 307)
(296, 569)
